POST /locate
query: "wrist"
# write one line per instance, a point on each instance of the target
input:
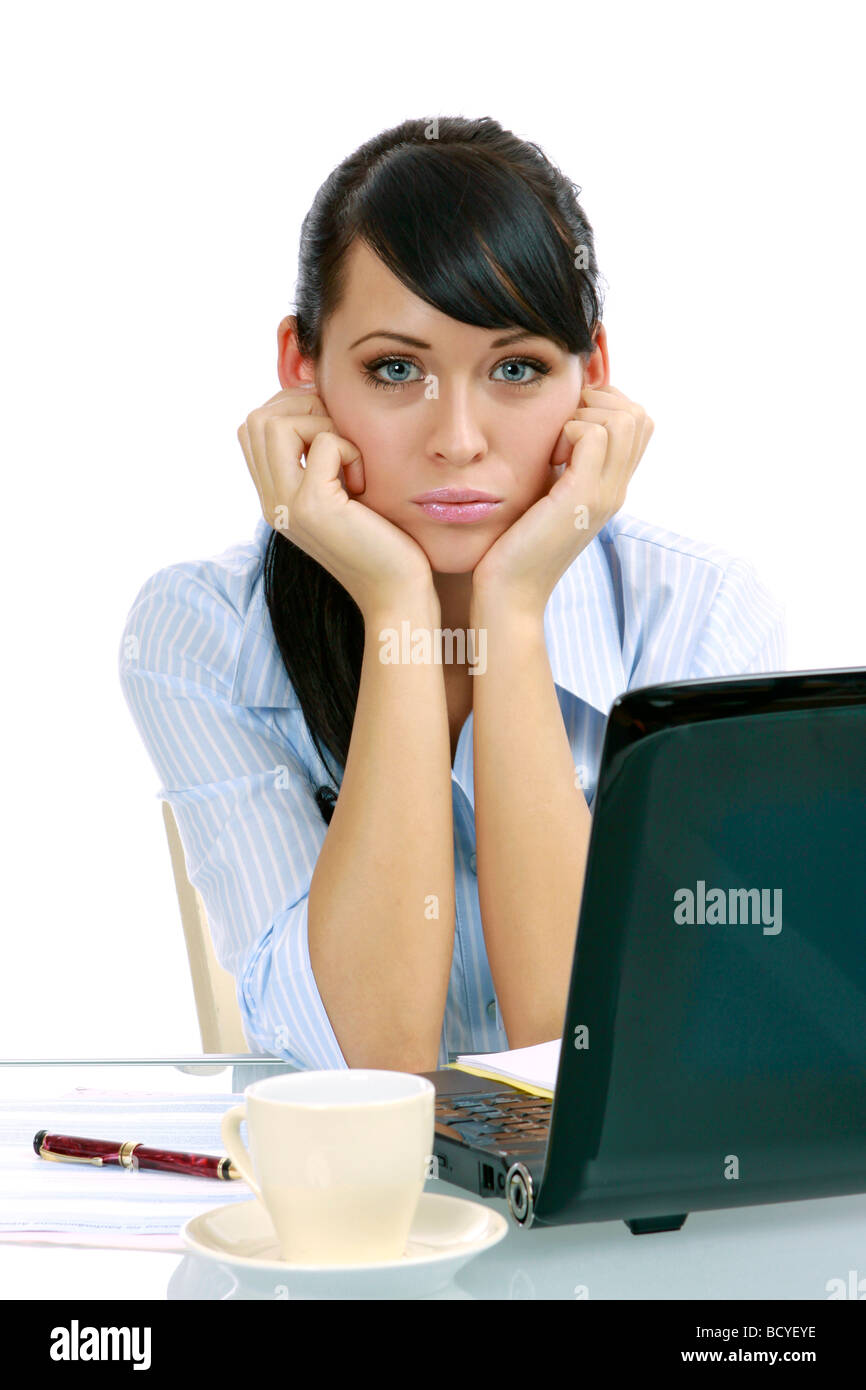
(503, 606)
(419, 603)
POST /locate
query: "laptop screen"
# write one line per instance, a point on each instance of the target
(714, 1048)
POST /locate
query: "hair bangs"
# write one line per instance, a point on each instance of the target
(467, 236)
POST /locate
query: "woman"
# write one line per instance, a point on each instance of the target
(447, 669)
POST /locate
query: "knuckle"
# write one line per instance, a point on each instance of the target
(624, 423)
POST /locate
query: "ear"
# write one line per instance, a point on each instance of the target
(292, 368)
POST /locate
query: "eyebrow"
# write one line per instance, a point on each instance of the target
(515, 337)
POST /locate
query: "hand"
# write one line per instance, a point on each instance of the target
(600, 448)
(373, 560)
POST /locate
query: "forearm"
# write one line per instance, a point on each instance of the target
(381, 904)
(532, 826)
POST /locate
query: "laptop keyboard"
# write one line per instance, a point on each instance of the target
(495, 1120)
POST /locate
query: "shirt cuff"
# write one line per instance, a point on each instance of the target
(281, 1009)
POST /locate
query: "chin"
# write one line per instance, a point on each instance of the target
(457, 555)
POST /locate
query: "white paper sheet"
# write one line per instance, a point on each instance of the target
(533, 1068)
(90, 1205)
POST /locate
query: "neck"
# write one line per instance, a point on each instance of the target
(455, 595)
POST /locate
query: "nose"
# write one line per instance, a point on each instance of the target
(456, 432)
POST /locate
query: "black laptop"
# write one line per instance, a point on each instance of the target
(714, 1042)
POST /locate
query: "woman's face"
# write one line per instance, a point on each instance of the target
(489, 421)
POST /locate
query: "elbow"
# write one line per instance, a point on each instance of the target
(274, 1036)
(289, 1014)
(286, 1039)
(281, 1011)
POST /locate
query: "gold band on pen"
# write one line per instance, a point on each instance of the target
(125, 1153)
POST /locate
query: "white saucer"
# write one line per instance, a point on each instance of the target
(445, 1234)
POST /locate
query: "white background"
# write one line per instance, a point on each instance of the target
(157, 162)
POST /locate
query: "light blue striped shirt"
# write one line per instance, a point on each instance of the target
(207, 688)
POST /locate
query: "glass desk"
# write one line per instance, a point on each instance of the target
(779, 1251)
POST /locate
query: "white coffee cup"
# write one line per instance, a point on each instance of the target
(337, 1158)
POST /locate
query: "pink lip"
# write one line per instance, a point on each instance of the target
(458, 511)
(456, 494)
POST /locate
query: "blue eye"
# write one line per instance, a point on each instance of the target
(391, 384)
(522, 363)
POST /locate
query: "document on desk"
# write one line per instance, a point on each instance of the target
(531, 1069)
(80, 1204)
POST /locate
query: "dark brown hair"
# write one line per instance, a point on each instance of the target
(484, 227)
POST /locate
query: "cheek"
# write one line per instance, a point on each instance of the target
(531, 454)
(532, 436)
(384, 455)
(355, 420)
(382, 438)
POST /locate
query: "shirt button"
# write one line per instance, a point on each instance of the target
(473, 863)
(491, 1009)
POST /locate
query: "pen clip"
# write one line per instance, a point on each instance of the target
(69, 1158)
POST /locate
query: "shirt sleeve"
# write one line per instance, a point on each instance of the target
(244, 801)
(745, 628)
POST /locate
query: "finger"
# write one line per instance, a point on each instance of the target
(608, 397)
(612, 401)
(301, 388)
(284, 439)
(287, 402)
(623, 430)
(640, 447)
(288, 438)
(597, 478)
(354, 477)
(246, 448)
(302, 429)
(330, 459)
(329, 455)
(617, 399)
(589, 442)
(611, 390)
(292, 403)
(628, 434)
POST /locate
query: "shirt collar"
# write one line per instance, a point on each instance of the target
(582, 630)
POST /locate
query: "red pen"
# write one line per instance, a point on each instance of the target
(68, 1148)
